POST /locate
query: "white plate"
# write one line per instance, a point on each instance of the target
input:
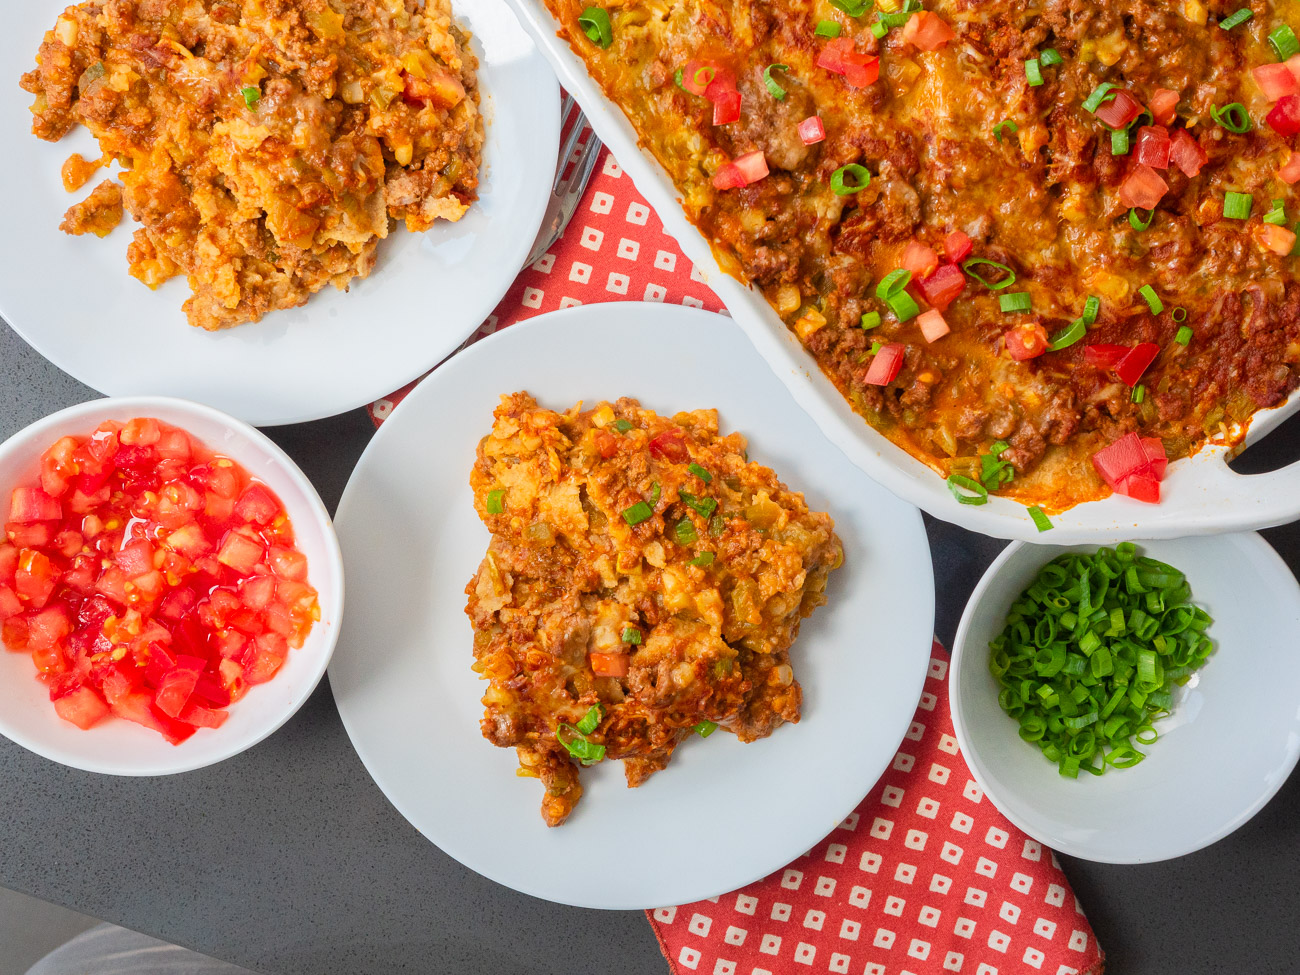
(1231, 742)
(1201, 494)
(73, 300)
(722, 814)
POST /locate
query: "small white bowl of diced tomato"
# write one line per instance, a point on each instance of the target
(171, 586)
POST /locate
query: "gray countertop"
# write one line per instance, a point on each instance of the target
(288, 859)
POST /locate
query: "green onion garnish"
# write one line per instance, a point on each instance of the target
(1090, 309)
(1184, 335)
(1102, 93)
(875, 347)
(1119, 142)
(774, 89)
(700, 472)
(870, 320)
(893, 282)
(1283, 41)
(655, 493)
(1277, 215)
(1041, 521)
(854, 8)
(589, 720)
(1152, 299)
(496, 502)
(998, 285)
(685, 533)
(705, 728)
(1233, 117)
(1033, 72)
(993, 472)
(577, 745)
(1236, 206)
(960, 485)
(1136, 222)
(827, 28)
(1006, 124)
(638, 513)
(632, 635)
(1139, 393)
(1179, 314)
(1015, 302)
(595, 24)
(1240, 17)
(903, 306)
(1049, 57)
(704, 507)
(879, 30)
(1068, 335)
(251, 95)
(860, 176)
(622, 426)
(677, 79)
(702, 560)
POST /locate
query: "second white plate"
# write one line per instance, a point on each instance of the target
(722, 814)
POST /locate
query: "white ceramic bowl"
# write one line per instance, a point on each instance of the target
(118, 747)
(1231, 741)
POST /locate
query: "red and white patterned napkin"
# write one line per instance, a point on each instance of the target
(925, 877)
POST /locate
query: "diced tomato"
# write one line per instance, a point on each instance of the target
(10, 604)
(48, 628)
(240, 553)
(178, 684)
(812, 130)
(289, 563)
(231, 645)
(609, 664)
(13, 632)
(83, 707)
(30, 536)
(136, 706)
(1284, 117)
(726, 107)
(35, 579)
(258, 591)
(258, 505)
(1143, 188)
(1293, 65)
(177, 604)
(1120, 110)
(1026, 341)
(31, 504)
(927, 31)
(957, 246)
(1135, 363)
(8, 561)
(885, 365)
(698, 75)
(670, 446)
(68, 543)
(271, 651)
(135, 559)
(82, 501)
(174, 444)
(201, 717)
(831, 57)
(1273, 238)
(211, 691)
(112, 583)
(1141, 487)
(189, 541)
(1275, 81)
(1290, 171)
(752, 166)
(1158, 460)
(942, 287)
(1133, 465)
(1153, 146)
(135, 457)
(920, 259)
(1162, 104)
(932, 324)
(841, 57)
(161, 662)
(58, 467)
(1186, 153)
(222, 481)
(728, 177)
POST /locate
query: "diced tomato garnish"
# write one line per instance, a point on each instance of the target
(1289, 173)
(927, 31)
(178, 684)
(135, 559)
(1153, 146)
(8, 561)
(1026, 341)
(1120, 110)
(885, 365)
(932, 324)
(609, 664)
(1143, 188)
(30, 536)
(831, 57)
(271, 649)
(57, 466)
(1186, 153)
(1162, 104)
(136, 706)
(1154, 448)
(240, 553)
(174, 445)
(289, 564)
(1275, 81)
(48, 628)
(1277, 239)
(697, 75)
(957, 246)
(752, 166)
(841, 57)
(1141, 487)
(728, 177)
(31, 504)
(258, 505)
(920, 259)
(1284, 117)
(670, 446)
(83, 707)
(726, 107)
(10, 604)
(202, 717)
(812, 130)
(1133, 465)
(943, 286)
(144, 431)
(1135, 363)
(35, 579)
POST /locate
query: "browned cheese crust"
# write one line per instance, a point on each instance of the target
(1044, 200)
(266, 144)
(713, 590)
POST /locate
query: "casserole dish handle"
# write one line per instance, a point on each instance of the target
(1238, 501)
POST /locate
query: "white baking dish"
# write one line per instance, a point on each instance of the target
(1200, 494)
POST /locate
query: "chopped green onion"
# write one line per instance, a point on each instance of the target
(1090, 309)
(1101, 94)
(595, 24)
(1233, 117)
(1139, 393)
(1277, 215)
(590, 720)
(496, 502)
(638, 513)
(705, 728)
(1041, 521)
(1184, 335)
(702, 560)
(1016, 301)
(685, 533)
(879, 30)
(1179, 314)
(632, 635)
(717, 525)
(577, 745)
(677, 79)
(998, 285)
(1136, 222)
(903, 305)
(892, 283)
(700, 472)
(854, 8)
(1049, 57)
(870, 320)
(1283, 41)
(773, 88)
(1152, 299)
(959, 485)
(993, 472)
(1068, 336)
(704, 507)
(860, 176)
(655, 493)
(1240, 17)
(252, 96)
(1033, 73)
(1119, 142)
(1236, 206)
(622, 426)
(827, 28)
(1006, 124)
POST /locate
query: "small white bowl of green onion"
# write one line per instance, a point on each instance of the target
(1131, 703)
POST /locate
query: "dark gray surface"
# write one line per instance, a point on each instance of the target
(288, 859)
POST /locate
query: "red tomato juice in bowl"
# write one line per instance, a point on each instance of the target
(150, 578)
